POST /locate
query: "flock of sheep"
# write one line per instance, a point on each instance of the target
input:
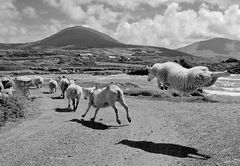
(168, 74)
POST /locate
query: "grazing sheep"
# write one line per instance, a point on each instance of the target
(107, 96)
(52, 85)
(74, 93)
(38, 81)
(186, 80)
(64, 83)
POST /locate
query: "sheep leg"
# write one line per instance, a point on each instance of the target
(122, 102)
(116, 112)
(68, 103)
(73, 103)
(89, 106)
(96, 111)
(160, 85)
(77, 104)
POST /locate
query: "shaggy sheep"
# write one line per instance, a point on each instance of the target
(38, 81)
(52, 85)
(74, 93)
(107, 96)
(186, 80)
(64, 83)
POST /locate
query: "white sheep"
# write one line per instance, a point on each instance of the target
(186, 80)
(52, 85)
(38, 81)
(107, 96)
(74, 93)
(63, 84)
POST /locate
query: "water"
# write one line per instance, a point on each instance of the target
(226, 86)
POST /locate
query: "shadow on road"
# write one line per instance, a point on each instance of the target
(165, 149)
(57, 97)
(46, 93)
(96, 125)
(63, 110)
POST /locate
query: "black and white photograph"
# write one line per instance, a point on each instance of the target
(119, 83)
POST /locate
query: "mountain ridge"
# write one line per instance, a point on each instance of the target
(215, 47)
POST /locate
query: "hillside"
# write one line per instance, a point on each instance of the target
(70, 38)
(82, 39)
(77, 37)
(216, 47)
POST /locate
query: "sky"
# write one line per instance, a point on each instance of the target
(163, 23)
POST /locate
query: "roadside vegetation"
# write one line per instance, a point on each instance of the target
(13, 107)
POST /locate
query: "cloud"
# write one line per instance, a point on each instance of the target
(176, 28)
(30, 12)
(8, 11)
(72, 8)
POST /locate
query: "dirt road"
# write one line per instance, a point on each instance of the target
(156, 136)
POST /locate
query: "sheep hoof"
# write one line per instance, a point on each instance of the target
(129, 119)
(119, 122)
(92, 119)
(83, 116)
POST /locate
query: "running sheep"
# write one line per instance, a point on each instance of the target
(108, 96)
(175, 76)
(52, 85)
(63, 84)
(74, 93)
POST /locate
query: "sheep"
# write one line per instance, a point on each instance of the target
(182, 79)
(74, 93)
(64, 83)
(38, 81)
(52, 85)
(107, 96)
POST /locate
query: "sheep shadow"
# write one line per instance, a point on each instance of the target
(64, 110)
(95, 125)
(166, 149)
(57, 97)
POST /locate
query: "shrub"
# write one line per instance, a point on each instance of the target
(12, 107)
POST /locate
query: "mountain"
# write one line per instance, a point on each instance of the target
(216, 47)
(71, 38)
(81, 37)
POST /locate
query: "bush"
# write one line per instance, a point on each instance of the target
(142, 71)
(12, 107)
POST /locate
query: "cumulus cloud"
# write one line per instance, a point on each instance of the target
(173, 27)
(176, 28)
(72, 8)
(30, 12)
(8, 10)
